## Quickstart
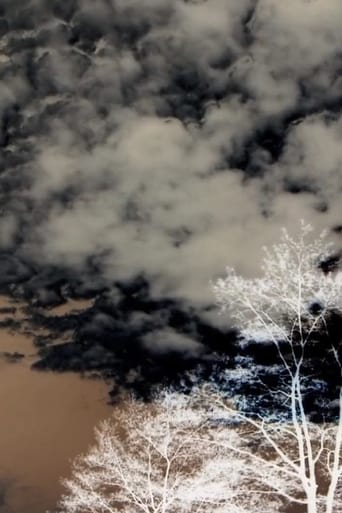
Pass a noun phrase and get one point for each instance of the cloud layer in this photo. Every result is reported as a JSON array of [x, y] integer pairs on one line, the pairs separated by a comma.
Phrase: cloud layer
[[166, 138]]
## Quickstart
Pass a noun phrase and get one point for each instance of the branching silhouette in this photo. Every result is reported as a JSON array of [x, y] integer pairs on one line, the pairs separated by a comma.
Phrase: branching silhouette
[[290, 305]]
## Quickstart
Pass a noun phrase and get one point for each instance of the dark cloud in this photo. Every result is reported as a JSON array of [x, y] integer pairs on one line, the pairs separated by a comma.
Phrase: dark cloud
[[162, 139]]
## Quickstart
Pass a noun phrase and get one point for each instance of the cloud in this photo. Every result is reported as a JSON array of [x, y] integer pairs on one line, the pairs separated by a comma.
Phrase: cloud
[[312, 156], [166, 340], [166, 139], [295, 51]]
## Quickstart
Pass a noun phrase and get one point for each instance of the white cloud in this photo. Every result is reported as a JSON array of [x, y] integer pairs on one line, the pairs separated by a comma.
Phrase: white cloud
[[313, 156], [118, 176]]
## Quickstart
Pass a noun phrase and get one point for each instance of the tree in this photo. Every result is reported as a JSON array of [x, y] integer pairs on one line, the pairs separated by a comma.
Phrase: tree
[[147, 460], [202, 453], [297, 461], [175, 455], [292, 299], [265, 466]]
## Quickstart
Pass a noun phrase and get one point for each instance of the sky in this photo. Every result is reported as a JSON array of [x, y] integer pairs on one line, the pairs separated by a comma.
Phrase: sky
[[166, 139]]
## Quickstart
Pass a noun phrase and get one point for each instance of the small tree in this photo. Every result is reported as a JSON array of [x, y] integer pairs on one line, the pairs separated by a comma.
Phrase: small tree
[[146, 459], [298, 461]]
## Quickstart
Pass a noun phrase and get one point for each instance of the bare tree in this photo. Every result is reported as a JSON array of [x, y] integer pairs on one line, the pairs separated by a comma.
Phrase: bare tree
[[147, 459], [293, 460], [201, 453]]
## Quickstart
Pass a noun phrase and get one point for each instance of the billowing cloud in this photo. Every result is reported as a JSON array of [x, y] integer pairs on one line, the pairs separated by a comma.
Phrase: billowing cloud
[[166, 139], [312, 156]]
